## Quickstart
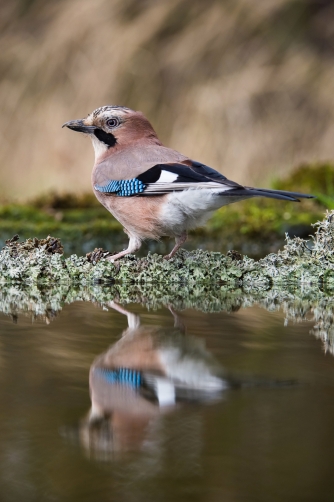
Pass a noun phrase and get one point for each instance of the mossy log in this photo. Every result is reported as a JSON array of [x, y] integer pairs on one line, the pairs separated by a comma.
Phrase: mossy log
[[42, 261]]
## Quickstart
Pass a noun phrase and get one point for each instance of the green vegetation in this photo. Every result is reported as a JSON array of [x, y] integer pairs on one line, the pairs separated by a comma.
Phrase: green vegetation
[[76, 220], [41, 261], [266, 218], [82, 223], [317, 179]]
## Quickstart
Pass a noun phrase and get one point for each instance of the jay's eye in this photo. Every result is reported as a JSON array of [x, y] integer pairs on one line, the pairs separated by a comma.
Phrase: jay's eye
[[112, 123]]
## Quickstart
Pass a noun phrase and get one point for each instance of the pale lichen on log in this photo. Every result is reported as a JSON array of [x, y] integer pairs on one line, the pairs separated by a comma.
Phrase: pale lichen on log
[[300, 262]]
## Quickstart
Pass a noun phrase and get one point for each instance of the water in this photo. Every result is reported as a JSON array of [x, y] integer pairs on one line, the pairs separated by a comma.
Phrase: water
[[110, 402]]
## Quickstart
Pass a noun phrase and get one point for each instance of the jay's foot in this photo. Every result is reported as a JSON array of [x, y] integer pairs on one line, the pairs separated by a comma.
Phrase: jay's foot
[[115, 257], [134, 245], [181, 239]]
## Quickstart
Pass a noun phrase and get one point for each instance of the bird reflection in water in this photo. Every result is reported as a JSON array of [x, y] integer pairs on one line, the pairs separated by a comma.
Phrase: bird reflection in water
[[146, 374]]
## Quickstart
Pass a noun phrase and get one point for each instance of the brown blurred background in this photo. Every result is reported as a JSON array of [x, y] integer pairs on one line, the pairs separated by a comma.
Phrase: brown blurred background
[[245, 86]]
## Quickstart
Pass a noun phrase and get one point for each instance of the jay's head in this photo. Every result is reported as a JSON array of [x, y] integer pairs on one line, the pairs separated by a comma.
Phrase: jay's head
[[112, 127]]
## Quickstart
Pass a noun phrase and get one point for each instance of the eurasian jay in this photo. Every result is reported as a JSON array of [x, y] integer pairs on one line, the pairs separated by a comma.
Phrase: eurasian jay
[[154, 191]]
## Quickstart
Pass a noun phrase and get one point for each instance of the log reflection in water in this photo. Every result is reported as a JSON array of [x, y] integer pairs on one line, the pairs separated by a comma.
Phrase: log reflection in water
[[298, 305]]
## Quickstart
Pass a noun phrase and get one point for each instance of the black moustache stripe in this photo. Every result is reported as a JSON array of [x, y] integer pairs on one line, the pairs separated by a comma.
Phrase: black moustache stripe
[[106, 138]]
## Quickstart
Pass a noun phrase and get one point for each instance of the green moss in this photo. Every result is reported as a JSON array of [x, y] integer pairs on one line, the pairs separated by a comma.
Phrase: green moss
[[34, 261], [67, 200], [267, 218], [317, 179], [14, 212], [75, 227], [81, 219]]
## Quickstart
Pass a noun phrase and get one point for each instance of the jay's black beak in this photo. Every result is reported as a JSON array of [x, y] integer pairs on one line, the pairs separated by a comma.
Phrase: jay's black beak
[[79, 126]]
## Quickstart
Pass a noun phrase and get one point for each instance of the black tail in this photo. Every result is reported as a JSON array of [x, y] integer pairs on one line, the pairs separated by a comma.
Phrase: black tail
[[271, 194]]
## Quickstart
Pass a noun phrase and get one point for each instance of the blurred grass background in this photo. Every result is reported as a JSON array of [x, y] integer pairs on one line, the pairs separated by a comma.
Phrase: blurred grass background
[[241, 85]]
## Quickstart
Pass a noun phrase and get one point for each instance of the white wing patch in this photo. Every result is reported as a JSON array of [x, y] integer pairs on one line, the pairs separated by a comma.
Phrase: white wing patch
[[167, 177]]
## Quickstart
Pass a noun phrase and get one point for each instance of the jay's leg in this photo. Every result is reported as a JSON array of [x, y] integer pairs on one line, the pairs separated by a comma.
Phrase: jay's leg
[[133, 319], [134, 245], [179, 240], [177, 320]]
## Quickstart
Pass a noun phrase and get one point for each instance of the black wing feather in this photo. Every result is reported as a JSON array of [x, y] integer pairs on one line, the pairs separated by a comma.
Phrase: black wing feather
[[188, 172], [211, 174], [267, 191]]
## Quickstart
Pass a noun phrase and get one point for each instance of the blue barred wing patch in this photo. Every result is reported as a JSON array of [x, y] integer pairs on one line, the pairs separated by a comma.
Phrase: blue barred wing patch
[[121, 376], [122, 188]]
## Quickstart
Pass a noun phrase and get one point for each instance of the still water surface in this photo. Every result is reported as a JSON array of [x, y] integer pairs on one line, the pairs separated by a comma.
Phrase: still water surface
[[129, 404]]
